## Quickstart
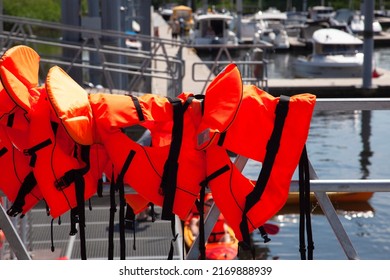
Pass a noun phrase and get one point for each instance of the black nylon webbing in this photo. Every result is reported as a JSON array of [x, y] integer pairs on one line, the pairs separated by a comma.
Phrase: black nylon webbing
[[200, 206], [26, 187], [10, 120], [112, 217], [138, 108], [32, 151], [272, 149], [80, 190], [122, 203], [304, 208], [171, 166], [3, 151]]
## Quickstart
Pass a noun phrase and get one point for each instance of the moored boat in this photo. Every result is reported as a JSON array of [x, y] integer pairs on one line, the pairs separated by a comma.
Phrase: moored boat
[[336, 54], [213, 29]]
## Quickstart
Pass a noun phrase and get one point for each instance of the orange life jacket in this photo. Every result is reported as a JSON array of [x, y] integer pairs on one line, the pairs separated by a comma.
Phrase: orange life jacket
[[111, 113], [54, 156], [21, 187], [17, 180], [147, 167], [253, 134]]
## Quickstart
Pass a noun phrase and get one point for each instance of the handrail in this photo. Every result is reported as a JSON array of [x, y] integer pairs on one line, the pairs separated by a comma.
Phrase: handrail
[[110, 56]]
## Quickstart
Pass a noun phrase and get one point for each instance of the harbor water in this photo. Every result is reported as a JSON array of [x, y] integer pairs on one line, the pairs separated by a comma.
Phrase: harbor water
[[341, 145]]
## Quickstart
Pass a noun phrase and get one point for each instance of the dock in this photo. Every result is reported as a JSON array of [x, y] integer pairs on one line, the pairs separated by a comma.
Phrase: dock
[[337, 87], [332, 88]]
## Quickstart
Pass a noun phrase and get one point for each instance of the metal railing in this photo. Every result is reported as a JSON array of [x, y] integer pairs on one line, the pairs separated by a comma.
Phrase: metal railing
[[97, 53], [321, 187]]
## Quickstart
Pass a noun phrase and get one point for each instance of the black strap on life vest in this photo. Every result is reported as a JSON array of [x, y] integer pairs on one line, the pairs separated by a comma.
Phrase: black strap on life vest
[[122, 203], [112, 218], [272, 149], [138, 108], [304, 208], [26, 187], [118, 185], [200, 206], [32, 151], [100, 187], [174, 237], [202, 239], [130, 221], [52, 233], [76, 176], [10, 120], [80, 197], [3, 151], [171, 166]]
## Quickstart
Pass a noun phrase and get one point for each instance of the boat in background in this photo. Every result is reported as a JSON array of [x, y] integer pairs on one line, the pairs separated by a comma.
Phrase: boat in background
[[335, 197], [356, 25], [213, 29], [273, 29], [319, 13], [335, 54]]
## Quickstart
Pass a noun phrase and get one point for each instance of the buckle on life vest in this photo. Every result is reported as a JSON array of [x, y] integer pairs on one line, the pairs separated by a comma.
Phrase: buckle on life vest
[[65, 180], [32, 151]]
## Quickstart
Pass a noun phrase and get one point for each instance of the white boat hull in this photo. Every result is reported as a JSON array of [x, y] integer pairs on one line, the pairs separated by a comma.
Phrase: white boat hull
[[336, 54], [328, 68], [312, 69]]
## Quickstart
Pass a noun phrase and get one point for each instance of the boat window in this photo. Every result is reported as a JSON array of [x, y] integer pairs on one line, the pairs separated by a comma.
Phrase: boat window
[[339, 49], [218, 27]]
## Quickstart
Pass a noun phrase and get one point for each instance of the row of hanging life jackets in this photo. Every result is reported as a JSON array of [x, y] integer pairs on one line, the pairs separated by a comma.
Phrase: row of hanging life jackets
[[56, 141]]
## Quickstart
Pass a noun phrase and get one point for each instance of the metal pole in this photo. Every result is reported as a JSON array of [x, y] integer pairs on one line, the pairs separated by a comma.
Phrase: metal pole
[[111, 20], [239, 17], [368, 46], [70, 15], [145, 13], [94, 75], [12, 236]]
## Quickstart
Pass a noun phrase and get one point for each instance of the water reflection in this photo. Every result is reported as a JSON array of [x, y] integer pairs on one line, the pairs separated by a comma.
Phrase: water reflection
[[366, 152]]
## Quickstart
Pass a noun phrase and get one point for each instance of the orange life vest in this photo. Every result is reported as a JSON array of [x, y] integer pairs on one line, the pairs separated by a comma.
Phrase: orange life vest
[[21, 186], [111, 113], [147, 167], [54, 156], [252, 135], [16, 181]]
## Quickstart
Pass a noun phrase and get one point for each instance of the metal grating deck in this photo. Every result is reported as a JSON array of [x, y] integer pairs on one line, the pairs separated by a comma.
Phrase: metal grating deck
[[152, 239]]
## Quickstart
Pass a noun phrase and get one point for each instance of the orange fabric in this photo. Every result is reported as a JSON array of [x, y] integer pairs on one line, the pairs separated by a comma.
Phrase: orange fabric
[[15, 167], [222, 100], [113, 111], [137, 202], [54, 160], [14, 137], [71, 105], [248, 136], [146, 169], [19, 71]]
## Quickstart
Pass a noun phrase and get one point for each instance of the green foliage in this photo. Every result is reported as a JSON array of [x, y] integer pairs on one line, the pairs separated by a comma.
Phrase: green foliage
[[48, 10]]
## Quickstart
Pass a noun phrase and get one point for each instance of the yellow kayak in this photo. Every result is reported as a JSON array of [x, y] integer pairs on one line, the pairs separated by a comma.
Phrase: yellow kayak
[[339, 197]]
